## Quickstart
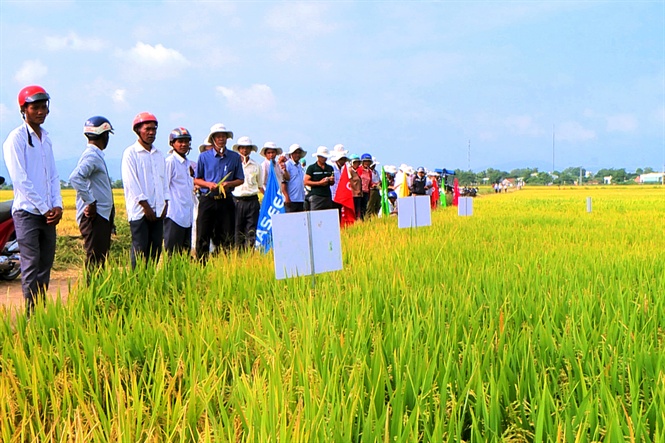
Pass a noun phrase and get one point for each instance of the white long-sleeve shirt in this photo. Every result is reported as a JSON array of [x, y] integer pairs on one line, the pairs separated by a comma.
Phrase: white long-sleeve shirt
[[32, 170], [144, 178], [181, 188], [91, 181]]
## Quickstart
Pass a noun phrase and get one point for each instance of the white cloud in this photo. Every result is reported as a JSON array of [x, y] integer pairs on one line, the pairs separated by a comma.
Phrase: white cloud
[[522, 125], [31, 72], [73, 41], [573, 132], [256, 98], [300, 18], [152, 62], [119, 96], [4, 113], [621, 123]]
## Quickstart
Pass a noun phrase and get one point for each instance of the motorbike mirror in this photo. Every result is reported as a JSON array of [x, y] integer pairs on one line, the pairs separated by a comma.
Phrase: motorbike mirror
[[2, 180]]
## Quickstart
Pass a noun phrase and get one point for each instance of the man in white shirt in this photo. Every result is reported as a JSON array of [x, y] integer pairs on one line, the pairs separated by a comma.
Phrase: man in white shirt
[[179, 176], [246, 196], [94, 199], [37, 206], [146, 192]]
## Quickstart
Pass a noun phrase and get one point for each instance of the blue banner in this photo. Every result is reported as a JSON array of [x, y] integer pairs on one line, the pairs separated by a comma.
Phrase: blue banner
[[273, 203]]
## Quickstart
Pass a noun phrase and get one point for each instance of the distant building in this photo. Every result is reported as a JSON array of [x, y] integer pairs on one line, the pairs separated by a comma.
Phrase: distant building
[[650, 178], [607, 180]]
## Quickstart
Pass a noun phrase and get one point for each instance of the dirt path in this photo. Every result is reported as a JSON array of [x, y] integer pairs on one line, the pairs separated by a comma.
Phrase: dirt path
[[11, 296]]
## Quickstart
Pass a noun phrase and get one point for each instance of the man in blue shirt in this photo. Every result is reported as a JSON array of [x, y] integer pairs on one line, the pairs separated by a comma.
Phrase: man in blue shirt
[[218, 172], [94, 198], [293, 188]]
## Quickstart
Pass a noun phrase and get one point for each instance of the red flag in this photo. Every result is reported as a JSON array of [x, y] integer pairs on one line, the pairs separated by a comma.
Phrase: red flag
[[434, 198], [344, 196], [455, 192]]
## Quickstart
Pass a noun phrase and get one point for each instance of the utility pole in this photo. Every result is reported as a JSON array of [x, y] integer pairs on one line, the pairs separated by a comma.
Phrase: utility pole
[[469, 156]]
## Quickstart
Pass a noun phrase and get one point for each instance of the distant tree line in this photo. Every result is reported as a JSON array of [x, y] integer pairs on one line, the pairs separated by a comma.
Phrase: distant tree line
[[532, 176]]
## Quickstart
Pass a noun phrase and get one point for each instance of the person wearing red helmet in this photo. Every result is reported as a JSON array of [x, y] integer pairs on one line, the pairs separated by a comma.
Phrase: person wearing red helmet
[[95, 211], [146, 191], [37, 206]]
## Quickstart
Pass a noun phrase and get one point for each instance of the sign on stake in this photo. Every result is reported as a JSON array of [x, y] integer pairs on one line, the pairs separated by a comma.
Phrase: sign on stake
[[465, 206], [414, 212], [306, 243]]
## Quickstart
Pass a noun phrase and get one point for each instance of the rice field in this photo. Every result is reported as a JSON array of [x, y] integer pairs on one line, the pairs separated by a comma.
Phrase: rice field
[[530, 321]]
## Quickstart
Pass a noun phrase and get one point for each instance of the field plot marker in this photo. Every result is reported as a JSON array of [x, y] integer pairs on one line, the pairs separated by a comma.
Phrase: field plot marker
[[465, 207], [414, 212], [297, 254]]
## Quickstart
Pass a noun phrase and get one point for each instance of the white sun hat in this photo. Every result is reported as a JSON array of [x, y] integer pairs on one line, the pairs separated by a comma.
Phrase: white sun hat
[[338, 152], [390, 169], [321, 151], [218, 128], [294, 147], [244, 141], [270, 145]]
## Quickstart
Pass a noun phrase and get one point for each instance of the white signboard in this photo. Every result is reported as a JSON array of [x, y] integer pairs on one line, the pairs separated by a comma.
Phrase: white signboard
[[414, 212], [306, 243], [465, 206]]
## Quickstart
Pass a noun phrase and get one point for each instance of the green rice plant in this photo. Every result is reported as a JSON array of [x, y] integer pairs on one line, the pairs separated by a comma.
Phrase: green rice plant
[[530, 321]]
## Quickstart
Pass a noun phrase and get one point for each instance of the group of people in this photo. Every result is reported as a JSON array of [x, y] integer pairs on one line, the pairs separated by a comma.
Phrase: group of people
[[170, 199]]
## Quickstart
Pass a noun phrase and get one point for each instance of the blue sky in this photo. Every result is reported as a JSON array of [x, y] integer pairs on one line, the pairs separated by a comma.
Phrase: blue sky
[[409, 82]]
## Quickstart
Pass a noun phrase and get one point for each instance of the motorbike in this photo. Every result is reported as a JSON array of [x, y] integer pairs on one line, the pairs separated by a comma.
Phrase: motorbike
[[10, 257]]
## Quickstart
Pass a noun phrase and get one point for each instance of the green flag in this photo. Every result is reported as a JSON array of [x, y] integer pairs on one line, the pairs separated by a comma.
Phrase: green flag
[[385, 204], [442, 195]]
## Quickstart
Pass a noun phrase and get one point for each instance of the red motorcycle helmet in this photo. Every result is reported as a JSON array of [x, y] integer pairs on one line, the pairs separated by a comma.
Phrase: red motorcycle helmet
[[143, 117], [31, 94]]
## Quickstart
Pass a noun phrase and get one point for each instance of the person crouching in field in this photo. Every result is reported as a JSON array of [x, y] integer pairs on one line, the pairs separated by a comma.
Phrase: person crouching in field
[[37, 206], [95, 211], [179, 176], [246, 196], [146, 191]]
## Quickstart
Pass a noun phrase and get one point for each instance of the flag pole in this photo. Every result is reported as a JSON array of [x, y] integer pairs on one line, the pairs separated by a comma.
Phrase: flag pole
[[311, 247]]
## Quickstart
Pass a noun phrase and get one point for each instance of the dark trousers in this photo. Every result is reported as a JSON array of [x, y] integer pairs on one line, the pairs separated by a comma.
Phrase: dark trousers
[[318, 202], [96, 233], [363, 207], [358, 207], [216, 222], [374, 202], [176, 238], [294, 207], [147, 239], [36, 241], [247, 217]]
